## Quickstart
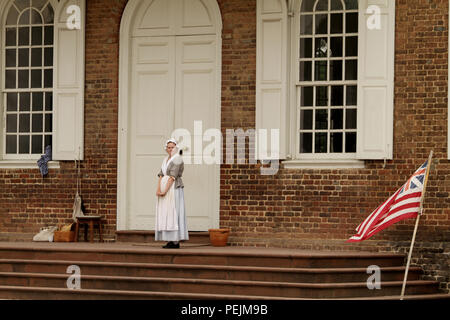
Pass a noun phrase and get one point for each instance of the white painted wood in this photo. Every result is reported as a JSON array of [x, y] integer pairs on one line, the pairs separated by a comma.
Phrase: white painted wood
[[376, 83], [271, 76], [68, 117], [166, 81]]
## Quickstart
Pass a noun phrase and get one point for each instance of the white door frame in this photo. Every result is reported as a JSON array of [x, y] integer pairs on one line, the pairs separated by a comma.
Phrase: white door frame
[[129, 19]]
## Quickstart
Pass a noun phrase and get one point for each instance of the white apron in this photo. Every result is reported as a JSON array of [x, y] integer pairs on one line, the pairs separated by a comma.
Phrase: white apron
[[166, 213]]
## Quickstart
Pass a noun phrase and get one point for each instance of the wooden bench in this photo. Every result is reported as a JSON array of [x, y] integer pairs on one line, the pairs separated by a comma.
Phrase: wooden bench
[[89, 222]]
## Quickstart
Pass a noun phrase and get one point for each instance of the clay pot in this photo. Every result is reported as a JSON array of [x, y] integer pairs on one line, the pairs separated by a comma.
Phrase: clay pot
[[219, 237]]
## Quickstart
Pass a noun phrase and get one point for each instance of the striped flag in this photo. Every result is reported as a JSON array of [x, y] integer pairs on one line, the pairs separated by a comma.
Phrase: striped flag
[[403, 204]]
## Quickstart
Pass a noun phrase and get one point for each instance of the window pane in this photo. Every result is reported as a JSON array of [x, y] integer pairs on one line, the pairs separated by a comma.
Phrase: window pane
[[351, 46], [38, 101], [11, 38], [321, 24], [335, 70], [351, 4], [352, 95], [351, 23], [36, 145], [25, 18], [36, 57], [24, 123], [35, 17], [48, 57], [48, 123], [336, 23], [11, 144], [22, 4], [307, 97], [39, 4], [305, 71], [24, 57], [336, 5], [322, 96], [337, 96], [321, 119], [306, 48], [336, 142], [336, 47], [10, 82], [10, 58], [321, 47], [11, 102], [48, 101], [308, 5], [350, 119], [351, 70], [321, 144], [36, 36], [306, 120], [48, 35], [25, 101], [306, 143], [322, 5], [350, 142], [48, 14], [48, 78], [337, 119], [306, 25], [13, 15], [11, 123], [36, 78], [24, 144], [48, 141], [321, 72], [24, 36], [24, 79], [37, 123]]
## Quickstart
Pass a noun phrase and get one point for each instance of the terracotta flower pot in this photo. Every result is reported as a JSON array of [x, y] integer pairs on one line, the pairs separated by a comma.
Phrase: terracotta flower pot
[[219, 237]]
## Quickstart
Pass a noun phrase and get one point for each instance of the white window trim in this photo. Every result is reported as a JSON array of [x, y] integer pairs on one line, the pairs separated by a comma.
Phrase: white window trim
[[301, 161], [26, 164]]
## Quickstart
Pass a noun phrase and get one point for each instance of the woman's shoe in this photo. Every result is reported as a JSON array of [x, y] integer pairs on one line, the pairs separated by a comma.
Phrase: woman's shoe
[[171, 245]]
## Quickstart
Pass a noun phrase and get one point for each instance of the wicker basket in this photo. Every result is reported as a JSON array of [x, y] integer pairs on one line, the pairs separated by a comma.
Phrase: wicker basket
[[64, 236], [68, 235]]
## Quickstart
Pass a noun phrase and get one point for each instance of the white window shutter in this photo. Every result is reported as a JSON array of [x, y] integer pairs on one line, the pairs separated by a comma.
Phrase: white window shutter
[[376, 79], [271, 80], [68, 119]]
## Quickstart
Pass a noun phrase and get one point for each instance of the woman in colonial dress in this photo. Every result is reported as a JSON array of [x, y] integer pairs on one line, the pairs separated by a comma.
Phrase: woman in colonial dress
[[170, 210]]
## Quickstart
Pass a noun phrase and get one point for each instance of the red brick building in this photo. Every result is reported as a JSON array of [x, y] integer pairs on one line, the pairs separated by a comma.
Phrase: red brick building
[[357, 89]]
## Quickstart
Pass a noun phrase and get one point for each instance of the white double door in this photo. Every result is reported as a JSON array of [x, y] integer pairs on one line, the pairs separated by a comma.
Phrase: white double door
[[173, 83]]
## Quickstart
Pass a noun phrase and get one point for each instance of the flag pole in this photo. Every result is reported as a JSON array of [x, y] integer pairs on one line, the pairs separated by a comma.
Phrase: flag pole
[[417, 224]]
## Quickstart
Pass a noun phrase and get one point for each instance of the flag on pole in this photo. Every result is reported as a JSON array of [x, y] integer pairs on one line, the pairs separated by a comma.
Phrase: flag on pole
[[403, 204]]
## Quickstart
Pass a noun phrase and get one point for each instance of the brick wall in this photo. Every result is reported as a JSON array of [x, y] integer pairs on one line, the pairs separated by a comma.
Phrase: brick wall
[[28, 202], [293, 208], [302, 205]]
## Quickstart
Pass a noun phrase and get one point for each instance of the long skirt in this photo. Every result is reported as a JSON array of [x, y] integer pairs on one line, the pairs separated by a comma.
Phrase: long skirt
[[182, 233]]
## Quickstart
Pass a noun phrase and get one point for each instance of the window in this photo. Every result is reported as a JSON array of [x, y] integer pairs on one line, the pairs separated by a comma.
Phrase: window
[[327, 85], [28, 79]]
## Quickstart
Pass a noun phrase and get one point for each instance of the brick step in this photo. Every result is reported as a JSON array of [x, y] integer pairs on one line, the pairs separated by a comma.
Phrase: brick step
[[305, 275], [203, 256], [149, 237], [223, 287]]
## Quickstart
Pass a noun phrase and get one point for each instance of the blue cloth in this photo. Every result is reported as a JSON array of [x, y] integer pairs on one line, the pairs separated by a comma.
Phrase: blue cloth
[[43, 162]]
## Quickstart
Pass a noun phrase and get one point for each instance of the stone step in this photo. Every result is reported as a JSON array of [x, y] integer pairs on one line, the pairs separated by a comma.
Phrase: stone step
[[136, 236], [202, 256], [305, 275], [222, 287]]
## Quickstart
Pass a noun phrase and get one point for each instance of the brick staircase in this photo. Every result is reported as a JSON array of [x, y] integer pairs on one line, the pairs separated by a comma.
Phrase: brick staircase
[[126, 271]]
